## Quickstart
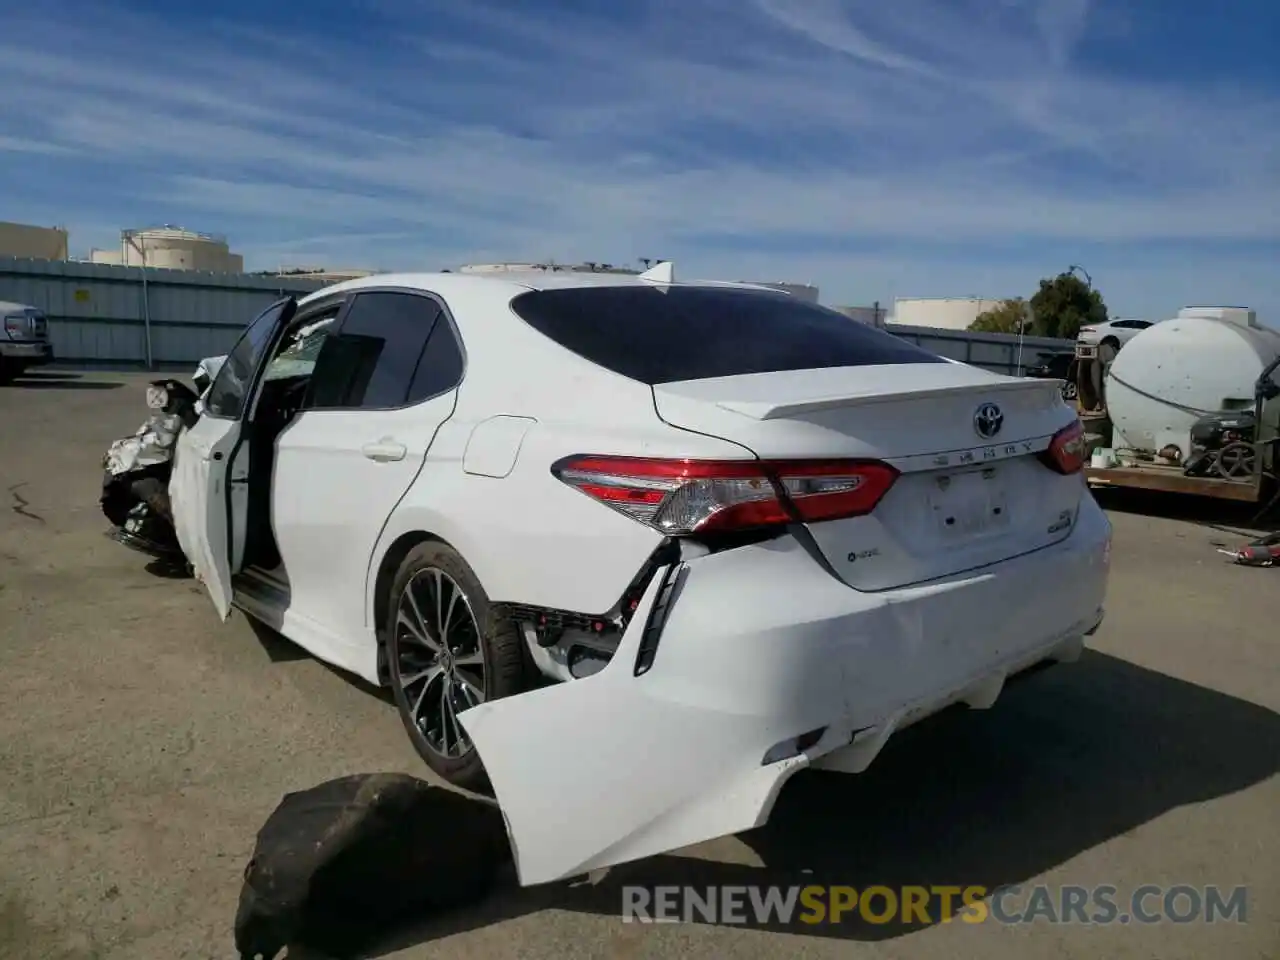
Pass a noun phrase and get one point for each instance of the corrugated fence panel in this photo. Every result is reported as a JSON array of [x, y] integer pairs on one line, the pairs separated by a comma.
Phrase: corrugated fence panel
[[997, 352], [98, 312]]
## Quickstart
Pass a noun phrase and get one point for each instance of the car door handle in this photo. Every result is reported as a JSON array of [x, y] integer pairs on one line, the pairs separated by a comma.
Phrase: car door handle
[[385, 450]]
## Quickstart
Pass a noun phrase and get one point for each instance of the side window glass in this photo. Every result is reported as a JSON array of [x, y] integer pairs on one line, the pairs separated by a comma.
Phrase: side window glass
[[298, 355], [370, 362], [440, 368], [226, 397]]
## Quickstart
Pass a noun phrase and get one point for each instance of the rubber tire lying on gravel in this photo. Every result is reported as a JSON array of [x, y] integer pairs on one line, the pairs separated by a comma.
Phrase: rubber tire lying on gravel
[[338, 866]]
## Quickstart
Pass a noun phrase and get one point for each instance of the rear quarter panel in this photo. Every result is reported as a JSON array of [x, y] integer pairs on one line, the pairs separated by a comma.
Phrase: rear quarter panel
[[530, 538]]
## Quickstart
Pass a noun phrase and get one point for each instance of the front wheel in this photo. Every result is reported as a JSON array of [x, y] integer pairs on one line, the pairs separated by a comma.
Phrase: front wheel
[[447, 652]]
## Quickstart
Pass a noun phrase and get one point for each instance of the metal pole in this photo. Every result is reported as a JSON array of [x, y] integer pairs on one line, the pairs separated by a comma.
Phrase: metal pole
[[146, 298], [146, 316]]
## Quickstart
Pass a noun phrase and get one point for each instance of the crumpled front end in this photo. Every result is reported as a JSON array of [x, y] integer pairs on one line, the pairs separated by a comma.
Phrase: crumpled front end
[[151, 445]]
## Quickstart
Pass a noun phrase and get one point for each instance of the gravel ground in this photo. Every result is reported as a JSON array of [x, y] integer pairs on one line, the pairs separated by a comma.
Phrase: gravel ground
[[142, 743]]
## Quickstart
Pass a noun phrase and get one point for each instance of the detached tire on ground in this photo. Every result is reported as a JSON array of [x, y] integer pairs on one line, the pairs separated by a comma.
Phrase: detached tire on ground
[[338, 866], [447, 650]]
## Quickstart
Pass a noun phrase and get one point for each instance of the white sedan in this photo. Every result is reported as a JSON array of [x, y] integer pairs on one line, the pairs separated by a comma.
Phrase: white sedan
[[1111, 335], [637, 550]]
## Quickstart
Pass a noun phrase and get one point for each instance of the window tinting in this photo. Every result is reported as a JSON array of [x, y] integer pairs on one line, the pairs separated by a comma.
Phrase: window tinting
[[664, 334], [370, 361], [440, 368], [230, 387], [297, 356]]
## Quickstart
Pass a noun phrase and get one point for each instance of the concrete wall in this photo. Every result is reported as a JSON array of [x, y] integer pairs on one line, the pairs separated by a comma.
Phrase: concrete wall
[[24, 240], [99, 313]]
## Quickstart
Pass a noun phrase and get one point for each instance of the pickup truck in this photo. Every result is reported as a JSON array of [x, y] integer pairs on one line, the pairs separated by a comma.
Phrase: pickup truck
[[24, 341]]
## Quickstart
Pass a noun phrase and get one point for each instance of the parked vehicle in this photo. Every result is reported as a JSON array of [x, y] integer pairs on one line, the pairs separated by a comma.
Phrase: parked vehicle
[[637, 550], [1110, 336], [24, 342], [1058, 366]]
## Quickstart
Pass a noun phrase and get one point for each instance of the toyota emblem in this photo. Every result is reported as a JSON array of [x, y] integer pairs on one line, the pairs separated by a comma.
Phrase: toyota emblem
[[987, 421]]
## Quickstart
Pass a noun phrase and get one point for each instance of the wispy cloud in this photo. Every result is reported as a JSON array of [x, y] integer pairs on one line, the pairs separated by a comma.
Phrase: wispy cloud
[[927, 141]]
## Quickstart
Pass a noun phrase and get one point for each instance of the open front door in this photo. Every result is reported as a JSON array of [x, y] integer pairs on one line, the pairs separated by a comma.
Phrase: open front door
[[209, 489]]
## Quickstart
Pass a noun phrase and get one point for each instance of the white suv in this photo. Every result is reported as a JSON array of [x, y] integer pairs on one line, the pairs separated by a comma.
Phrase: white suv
[[637, 550]]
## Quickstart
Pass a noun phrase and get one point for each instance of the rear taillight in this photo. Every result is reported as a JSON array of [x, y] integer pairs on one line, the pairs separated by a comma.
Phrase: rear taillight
[[679, 497], [1066, 451], [15, 327]]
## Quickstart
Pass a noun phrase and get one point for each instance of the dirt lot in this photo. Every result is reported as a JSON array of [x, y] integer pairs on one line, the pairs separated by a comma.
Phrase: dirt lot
[[142, 744]]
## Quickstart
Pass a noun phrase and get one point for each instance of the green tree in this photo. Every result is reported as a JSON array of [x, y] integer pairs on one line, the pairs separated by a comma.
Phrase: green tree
[[1063, 305], [1010, 317]]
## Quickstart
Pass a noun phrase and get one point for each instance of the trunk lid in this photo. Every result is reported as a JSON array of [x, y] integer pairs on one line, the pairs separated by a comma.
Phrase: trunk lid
[[972, 490]]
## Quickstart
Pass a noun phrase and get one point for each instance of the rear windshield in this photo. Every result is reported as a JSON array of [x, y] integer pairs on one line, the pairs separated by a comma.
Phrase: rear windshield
[[665, 334]]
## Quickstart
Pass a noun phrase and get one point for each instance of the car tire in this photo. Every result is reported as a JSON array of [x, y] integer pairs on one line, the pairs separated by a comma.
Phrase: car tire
[[485, 658], [9, 372]]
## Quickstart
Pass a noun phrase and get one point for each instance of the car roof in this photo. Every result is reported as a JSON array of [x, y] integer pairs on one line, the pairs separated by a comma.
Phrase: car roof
[[448, 284]]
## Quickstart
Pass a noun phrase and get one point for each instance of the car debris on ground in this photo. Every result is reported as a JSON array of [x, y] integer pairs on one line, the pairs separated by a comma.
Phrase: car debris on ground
[[338, 865]]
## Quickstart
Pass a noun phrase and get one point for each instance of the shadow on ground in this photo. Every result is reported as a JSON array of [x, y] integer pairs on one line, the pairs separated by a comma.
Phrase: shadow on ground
[[1069, 759], [280, 649], [1232, 518], [60, 381]]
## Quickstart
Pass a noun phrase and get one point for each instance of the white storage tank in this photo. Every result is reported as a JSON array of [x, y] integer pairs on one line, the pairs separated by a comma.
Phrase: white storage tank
[[1205, 360], [172, 248]]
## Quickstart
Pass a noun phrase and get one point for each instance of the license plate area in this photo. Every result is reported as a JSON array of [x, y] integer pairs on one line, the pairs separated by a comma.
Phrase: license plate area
[[969, 503]]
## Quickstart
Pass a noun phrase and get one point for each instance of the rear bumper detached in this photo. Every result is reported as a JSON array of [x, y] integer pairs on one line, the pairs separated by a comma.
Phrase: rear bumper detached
[[764, 665]]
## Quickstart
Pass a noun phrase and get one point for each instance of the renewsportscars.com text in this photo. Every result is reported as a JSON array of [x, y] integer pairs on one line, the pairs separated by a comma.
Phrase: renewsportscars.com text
[[923, 905]]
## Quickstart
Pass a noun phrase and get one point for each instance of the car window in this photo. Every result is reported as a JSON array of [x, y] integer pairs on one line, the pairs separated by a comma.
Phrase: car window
[[1141, 324], [440, 366], [298, 358], [226, 396], [664, 334], [371, 360]]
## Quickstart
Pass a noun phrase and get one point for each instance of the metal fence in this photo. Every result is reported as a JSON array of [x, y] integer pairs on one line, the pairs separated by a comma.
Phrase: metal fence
[[128, 316], [998, 352]]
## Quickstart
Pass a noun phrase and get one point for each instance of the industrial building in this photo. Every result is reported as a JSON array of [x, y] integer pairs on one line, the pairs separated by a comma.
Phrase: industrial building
[[944, 313], [801, 291], [872, 316], [324, 274], [171, 248], [32, 242], [521, 267], [804, 291]]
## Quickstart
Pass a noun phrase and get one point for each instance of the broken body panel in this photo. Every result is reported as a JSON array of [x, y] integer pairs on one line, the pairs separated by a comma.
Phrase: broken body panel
[[762, 653]]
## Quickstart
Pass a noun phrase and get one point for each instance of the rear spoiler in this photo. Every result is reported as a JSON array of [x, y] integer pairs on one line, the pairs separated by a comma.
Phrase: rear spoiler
[[781, 410]]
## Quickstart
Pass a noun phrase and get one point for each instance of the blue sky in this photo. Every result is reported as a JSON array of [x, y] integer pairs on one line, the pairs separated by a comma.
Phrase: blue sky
[[905, 148]]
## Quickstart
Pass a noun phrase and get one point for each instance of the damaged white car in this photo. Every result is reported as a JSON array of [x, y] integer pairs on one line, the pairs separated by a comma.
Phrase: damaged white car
[[637, 550]]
